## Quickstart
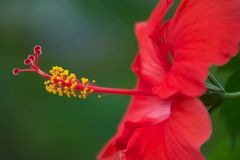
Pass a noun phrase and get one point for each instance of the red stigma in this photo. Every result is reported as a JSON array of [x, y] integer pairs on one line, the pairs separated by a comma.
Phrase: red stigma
[[37, 49], [27, 61], [38, 52], [16, 71], [32, 62], [31, 57]]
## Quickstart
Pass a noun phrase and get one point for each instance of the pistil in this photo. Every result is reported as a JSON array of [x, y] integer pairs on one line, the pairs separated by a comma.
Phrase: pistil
[[62, 82]]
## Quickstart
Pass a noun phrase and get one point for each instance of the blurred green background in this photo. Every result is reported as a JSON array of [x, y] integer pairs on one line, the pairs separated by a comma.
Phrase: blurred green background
[[91, 38]]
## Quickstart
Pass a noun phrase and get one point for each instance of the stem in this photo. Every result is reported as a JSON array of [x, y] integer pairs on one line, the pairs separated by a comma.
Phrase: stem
[[232, 95]]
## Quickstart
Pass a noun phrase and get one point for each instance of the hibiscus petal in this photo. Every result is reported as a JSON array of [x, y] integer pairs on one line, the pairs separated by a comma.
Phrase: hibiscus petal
[[202, 33], [143, 111], [150, 64], [185, 78], [177, 138]]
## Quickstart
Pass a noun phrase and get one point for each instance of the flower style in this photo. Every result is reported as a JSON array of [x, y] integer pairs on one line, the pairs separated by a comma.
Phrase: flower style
[[165, 120], [172, 63]]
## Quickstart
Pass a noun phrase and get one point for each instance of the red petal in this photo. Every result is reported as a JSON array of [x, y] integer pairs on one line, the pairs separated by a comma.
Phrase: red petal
[[185, 78], [150, 64], [201, 33], [177, 138], [158, 14], [143, 111]]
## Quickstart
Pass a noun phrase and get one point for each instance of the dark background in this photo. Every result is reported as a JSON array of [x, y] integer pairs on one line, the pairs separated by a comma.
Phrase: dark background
[[95, 39]]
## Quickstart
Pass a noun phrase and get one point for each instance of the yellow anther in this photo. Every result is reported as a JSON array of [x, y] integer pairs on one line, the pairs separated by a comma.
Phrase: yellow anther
[[72, 75], [47, 82], [73, 86], [63, 82], [59, 89], [66, 72], [84, 80], [58, 78], [68, 94], [66, 81], [60, 69]]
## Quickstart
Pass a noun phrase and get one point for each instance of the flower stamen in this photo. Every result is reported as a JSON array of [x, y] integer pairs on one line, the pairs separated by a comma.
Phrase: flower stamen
[[62, 82]]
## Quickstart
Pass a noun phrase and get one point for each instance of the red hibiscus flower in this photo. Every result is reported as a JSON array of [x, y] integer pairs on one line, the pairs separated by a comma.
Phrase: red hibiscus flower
[[165, 120], [172, 63], [155, 129]]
